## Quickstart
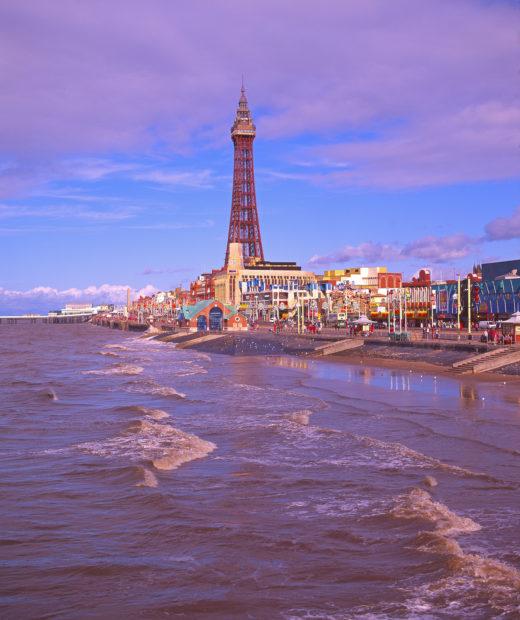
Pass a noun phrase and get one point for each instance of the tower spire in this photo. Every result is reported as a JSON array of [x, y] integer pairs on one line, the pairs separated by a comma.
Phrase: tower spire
[[244, 227]]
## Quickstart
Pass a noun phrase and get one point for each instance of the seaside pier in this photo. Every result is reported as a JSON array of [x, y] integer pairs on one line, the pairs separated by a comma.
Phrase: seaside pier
[[27, 319]]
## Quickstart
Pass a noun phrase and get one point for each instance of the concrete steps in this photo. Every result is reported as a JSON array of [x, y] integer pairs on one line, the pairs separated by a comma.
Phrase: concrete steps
[[485, 362], [339, 346]]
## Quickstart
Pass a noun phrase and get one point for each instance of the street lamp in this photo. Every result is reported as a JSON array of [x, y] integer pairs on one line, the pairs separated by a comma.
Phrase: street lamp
[[458, 302], [469, 305]]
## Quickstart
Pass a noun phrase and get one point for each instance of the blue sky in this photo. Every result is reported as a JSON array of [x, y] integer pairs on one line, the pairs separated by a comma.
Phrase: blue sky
[[383, 137]]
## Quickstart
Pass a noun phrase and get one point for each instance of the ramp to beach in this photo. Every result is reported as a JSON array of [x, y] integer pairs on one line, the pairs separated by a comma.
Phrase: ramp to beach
[[339, 346], [200, 340], [173, 337]]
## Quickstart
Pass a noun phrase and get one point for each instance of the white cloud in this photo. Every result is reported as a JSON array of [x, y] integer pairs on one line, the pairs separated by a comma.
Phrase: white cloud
[[49, 297], [151, 270], [178, 226], [199, 179], [65, 212]]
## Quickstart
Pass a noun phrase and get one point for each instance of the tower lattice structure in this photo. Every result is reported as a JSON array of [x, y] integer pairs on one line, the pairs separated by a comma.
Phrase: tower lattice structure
[[244, 227]]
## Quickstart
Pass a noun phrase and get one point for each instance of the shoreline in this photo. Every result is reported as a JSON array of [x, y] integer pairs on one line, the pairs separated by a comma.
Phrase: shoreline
[[416, 366], [388, 356]]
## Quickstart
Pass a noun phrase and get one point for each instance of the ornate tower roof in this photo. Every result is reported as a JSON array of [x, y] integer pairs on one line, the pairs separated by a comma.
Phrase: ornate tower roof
[[243, 124]]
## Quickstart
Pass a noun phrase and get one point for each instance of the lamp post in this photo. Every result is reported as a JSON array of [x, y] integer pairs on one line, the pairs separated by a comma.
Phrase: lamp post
[[405, 314], [469, 305], [458, 303], [388, 298], [400, 310]]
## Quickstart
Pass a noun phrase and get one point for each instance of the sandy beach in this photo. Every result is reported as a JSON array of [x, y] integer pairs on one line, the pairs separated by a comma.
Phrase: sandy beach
[[419, 357]]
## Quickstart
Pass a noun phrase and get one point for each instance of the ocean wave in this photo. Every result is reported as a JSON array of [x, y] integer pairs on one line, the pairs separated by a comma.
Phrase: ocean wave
[[108, 353], [275, 400], [151, 387], [337, 507], [474, 581], [418, 504], [48, 394], [22, 382], [165, 390], [119, 347], [165, 446], [148, 480], [191, 369], [118, 369], [419, 459], [156, 414], [301, 417]]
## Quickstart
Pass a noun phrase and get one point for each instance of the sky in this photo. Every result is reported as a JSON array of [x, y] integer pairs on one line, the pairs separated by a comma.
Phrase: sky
[[387, 134]]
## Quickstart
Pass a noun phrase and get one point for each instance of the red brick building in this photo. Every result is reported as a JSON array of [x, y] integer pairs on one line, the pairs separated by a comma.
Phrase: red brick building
[[389, 280]]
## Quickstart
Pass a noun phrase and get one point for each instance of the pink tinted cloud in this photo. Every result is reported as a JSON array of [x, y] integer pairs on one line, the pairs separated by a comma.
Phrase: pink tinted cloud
[[365, 252], [440, 249], [476, 143], [503, 228], [130, 76], [430, 249]]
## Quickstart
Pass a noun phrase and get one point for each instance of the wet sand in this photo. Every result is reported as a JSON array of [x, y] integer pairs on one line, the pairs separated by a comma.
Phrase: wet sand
[[432, 360], [421, 367]]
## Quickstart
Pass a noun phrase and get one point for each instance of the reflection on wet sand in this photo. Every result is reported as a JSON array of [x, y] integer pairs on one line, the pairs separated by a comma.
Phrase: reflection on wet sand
[[400, 383], [469, 394], [289, 362]]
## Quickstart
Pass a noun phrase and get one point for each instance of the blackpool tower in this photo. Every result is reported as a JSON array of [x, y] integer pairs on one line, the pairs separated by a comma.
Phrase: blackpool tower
[[243, 224]]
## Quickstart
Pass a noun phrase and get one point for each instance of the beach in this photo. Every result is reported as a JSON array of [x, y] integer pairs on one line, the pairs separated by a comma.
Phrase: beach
[[431, 357]]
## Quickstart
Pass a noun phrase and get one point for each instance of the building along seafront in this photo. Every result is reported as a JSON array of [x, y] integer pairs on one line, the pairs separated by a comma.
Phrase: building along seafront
[[260, 289]]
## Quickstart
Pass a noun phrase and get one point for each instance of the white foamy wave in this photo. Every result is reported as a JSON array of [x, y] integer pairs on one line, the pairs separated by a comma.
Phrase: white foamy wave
[[164, 390], [150, 387], [418, 504], [336, 507], [155, 414], [149, 479], [118, 369], [407, 456], [300, 417], [119, 347], [249, 388], [191, 369], [108, 354], [474, 579], [165, 446]]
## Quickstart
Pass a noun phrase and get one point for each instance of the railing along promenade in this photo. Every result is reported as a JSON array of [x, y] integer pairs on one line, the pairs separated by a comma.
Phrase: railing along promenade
[[443, 336]]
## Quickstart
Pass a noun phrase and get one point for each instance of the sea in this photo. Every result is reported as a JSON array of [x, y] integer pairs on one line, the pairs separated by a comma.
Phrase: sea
[[141, 481]]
